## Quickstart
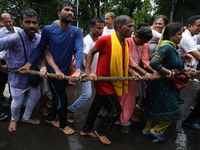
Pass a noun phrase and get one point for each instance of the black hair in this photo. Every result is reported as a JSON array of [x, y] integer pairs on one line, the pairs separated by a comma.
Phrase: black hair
[[94, 20], [28, 12], [171, 29], [165, 19], [192, 20], [63, 4], [142, 24], [120, 20], [144, 33], [41, 26]]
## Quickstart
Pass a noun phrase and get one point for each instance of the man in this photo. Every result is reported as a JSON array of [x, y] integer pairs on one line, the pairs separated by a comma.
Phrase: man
[[8, 29], [19, 83], [62, 40], [8, 25], [96, 29], [113, 52], [187, 44], [108, 30], [109, 21]]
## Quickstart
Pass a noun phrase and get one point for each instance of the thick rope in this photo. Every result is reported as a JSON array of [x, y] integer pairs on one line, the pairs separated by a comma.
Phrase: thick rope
[[52, 75]]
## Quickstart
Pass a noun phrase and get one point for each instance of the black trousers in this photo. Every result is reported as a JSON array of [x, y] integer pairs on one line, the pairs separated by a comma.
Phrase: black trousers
[[195, 114], [3, 80], [112, 106], [59, 101]]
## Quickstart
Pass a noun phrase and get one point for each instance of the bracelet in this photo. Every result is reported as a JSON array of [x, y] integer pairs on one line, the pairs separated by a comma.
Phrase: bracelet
[[43, 68], [183, 56], [169, 74]]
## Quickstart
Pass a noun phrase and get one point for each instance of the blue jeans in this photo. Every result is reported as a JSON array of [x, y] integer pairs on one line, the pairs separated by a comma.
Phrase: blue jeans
[[85, 96]]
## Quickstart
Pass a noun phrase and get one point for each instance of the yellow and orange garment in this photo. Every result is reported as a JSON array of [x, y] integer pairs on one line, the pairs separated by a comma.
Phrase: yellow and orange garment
[[118, 66]]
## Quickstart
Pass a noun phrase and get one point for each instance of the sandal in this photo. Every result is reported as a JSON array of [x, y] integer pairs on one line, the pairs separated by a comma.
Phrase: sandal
[[70, 115], [193, 125], [158, 136]]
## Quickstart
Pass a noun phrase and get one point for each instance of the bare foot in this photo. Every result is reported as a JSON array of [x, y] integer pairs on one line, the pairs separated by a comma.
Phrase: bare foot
[[136, 119], [31, 121], [103, 139], [92, 134], [67, 130], [12, 126], [154, 132], [54, 123]]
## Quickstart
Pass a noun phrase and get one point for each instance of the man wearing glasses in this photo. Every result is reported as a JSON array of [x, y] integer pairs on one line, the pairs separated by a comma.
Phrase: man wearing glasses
[[8, 28], [8, 25]]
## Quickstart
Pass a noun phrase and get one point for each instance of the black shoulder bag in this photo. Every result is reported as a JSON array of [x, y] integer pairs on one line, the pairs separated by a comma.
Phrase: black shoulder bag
[[34, 80]]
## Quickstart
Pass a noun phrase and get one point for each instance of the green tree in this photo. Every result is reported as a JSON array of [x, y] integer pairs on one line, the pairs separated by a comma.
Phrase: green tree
[[47, 11], [182, 9], [84, 14], [143, 13], [140, 10]]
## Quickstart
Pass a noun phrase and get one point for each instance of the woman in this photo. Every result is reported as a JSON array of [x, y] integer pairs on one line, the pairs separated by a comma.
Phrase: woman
[[138, 53], [158, 25], [162, 108]]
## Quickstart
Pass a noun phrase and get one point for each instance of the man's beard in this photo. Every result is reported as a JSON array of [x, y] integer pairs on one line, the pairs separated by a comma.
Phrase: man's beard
[[65, 20]]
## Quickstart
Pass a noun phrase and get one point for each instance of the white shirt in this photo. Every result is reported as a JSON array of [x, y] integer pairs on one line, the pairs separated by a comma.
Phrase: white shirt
[[153, 42], [188, 45], [196, 39], [88, 44], [107, 31]]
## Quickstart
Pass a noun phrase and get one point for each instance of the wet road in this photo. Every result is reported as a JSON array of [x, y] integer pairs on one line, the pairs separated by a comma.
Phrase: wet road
[[45, 136]]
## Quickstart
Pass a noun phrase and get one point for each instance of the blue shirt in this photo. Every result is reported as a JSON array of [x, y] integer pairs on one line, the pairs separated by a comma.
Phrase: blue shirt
[[62, 44], [16, 56]]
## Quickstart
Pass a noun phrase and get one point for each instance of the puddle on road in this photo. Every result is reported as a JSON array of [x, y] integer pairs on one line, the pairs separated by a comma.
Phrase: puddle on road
[[74, 144], [181, 139]]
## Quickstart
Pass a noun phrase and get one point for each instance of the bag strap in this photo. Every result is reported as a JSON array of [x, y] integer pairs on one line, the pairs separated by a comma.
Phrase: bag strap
[[23, 45]]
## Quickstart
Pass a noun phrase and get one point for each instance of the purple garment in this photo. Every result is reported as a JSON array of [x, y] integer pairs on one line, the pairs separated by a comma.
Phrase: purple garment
[[4, 31], [16, 57]]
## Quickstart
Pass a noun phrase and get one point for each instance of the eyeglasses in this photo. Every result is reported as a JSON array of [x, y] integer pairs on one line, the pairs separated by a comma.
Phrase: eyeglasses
[[198, 25], [7, 22]]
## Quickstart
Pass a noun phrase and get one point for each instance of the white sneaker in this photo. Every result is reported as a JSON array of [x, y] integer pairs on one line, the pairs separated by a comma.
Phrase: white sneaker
[[194, 80]]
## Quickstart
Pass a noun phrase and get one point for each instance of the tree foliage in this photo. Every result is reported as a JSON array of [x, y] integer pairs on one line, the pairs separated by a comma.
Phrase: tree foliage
[[47, 11], [182, 9], [139, 10]]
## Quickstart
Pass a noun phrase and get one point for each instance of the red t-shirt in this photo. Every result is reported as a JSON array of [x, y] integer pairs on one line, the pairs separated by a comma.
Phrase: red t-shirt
[[103, 45]]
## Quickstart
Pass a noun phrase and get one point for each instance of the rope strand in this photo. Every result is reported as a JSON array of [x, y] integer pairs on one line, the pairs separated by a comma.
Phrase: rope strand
[[52, 75]]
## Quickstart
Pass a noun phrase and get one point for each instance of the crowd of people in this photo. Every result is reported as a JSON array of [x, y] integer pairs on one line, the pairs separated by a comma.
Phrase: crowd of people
[[119, 49]]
